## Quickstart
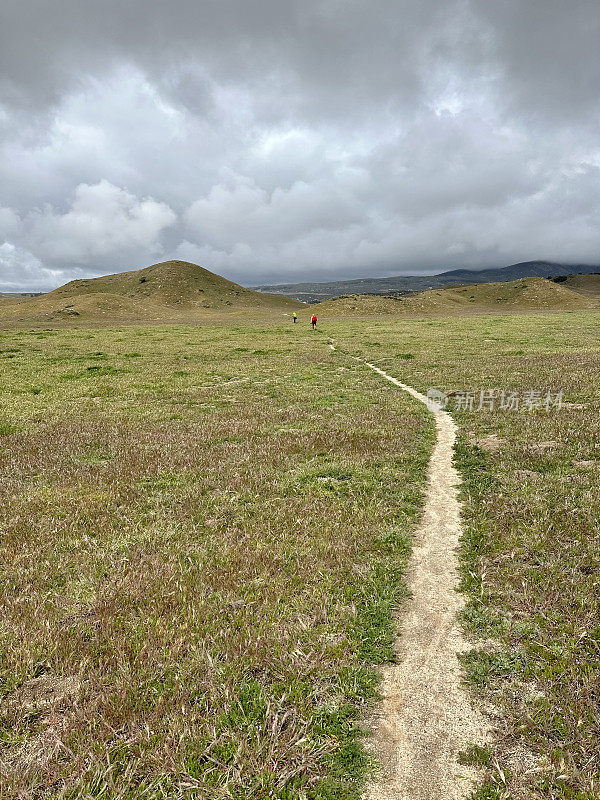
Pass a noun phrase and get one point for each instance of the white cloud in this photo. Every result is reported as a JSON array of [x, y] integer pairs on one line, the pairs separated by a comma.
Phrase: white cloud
[[9, 222], [247, 214], [286, 140], [103, 220], [20, 270], [558, 221]]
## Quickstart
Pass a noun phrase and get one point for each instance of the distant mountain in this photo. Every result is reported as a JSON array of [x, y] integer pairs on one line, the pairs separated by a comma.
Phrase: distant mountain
[[403, 284]]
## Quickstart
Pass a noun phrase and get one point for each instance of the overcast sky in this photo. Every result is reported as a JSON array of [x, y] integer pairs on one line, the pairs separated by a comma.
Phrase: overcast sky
[[282, 140]]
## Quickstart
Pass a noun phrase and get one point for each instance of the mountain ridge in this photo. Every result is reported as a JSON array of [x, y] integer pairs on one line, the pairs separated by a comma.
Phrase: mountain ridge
[[316, 291]]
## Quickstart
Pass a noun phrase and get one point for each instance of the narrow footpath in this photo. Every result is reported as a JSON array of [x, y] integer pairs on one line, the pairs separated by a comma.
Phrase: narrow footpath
[[426, 717]]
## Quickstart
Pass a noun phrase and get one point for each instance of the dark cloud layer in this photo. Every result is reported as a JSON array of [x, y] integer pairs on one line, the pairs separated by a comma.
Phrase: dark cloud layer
[[278, 140]]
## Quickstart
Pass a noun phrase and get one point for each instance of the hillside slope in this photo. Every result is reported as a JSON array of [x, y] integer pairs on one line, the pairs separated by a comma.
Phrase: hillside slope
[[587, 285], [531, 294], [171, 290]]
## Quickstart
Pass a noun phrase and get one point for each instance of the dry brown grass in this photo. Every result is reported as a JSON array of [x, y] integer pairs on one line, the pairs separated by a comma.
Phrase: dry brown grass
[[204, 535], [531, 552], [203, 538]]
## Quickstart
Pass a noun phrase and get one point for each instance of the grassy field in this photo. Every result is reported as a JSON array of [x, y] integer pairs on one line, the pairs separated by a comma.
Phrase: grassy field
[[204, 532], [531, 551]]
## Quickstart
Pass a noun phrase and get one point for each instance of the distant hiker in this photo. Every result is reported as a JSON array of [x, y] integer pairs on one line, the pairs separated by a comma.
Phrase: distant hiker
[[313, 321], [294, 316]]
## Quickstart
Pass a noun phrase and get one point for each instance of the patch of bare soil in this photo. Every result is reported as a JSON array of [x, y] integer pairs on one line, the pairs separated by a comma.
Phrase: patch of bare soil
[[49, 698], [426, 717], [528, 474], [490, 443], [541, 447]]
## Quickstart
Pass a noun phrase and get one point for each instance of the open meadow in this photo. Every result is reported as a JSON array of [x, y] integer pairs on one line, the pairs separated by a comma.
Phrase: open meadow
[[205, 532]]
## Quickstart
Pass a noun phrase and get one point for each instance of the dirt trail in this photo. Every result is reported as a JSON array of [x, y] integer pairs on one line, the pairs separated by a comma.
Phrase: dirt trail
[[426, 717]]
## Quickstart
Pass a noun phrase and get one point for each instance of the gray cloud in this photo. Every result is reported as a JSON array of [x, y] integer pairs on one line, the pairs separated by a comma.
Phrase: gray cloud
[[274, 141], [103, 220]]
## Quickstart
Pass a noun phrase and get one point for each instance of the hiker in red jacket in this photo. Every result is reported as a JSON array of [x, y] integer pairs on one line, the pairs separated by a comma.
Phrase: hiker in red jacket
[[313, 321]]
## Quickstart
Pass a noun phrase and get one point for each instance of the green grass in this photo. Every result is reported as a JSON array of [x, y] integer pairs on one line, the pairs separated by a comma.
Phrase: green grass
[[204, 537], [530, 555], [207, 537]]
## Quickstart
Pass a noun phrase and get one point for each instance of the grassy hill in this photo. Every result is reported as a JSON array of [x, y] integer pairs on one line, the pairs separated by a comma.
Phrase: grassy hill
[[528, 294], [169, 291], [587, 285]]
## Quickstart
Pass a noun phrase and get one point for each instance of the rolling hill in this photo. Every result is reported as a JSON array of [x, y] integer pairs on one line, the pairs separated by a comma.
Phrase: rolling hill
[[169, 291], [531, 294]]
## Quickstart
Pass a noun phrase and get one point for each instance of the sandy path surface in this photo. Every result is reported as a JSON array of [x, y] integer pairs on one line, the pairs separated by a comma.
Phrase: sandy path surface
[[426, 716]]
